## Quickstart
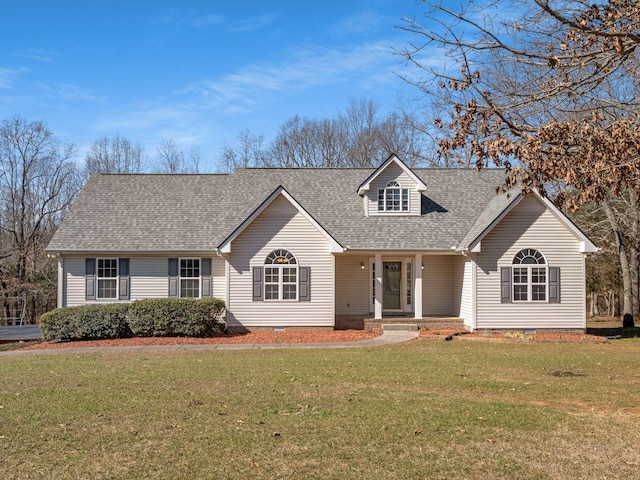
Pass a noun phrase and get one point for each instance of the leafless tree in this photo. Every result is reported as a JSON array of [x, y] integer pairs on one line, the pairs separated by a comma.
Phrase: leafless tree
[[171, 158], [38, 181], [358, 137], [115, 155]]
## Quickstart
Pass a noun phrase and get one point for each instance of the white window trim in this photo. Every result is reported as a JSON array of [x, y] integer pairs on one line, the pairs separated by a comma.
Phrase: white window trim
[[98, 278], [529, 267], [394, 185], [279, 267], [180, 277]]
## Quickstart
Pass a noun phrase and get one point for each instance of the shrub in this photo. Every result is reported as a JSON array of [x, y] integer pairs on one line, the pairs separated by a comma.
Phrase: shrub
[[167, 317], [87, 322], [161, 317]]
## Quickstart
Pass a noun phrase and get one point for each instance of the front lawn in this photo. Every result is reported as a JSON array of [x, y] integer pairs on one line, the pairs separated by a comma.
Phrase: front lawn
[[427, 409]]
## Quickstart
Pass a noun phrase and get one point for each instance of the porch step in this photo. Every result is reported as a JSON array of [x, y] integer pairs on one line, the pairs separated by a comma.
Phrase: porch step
[[412, 327]]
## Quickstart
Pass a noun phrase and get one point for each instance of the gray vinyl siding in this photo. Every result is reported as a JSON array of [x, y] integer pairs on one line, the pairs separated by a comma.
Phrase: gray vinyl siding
[[218, 267], [353, 285], [74, 286], [393, 172], [280, 226], [530, 225], [437, 285], [147, 277]]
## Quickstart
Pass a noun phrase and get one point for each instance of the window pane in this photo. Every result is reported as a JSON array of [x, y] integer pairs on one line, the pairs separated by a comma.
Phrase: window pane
[[405, 199], [107, 288], [289, 292], [289, 275], [520, 275], [538, 292], [270, 275], [189, 288], [520, 292], [271, 291], [393, 199], [538, 275]]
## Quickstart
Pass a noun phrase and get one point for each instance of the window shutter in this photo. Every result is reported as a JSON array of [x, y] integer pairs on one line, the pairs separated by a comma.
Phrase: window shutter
[[173, 277], [90, 278], [205, 271], [257, 284], [554, 284], [123, 279], [304, 295], [505, 285]]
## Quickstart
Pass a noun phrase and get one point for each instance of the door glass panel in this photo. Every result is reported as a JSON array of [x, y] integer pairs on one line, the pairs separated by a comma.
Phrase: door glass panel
[[391, 282]]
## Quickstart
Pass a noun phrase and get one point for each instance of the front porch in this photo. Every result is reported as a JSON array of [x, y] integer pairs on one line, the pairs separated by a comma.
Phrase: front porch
[[345, 322]]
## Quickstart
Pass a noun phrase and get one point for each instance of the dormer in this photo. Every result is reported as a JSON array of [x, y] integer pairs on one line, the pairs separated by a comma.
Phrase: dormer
[[393, 189]]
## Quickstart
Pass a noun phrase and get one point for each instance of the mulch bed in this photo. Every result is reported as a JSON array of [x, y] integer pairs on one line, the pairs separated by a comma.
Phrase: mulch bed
[[517, 337], [244, 338]]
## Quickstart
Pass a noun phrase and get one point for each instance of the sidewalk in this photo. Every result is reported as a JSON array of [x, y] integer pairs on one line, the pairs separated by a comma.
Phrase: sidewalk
[[388, 337]]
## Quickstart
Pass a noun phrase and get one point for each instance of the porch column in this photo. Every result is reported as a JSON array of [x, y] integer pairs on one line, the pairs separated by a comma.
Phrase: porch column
[[417, 289], [378, 287], [60, 291]]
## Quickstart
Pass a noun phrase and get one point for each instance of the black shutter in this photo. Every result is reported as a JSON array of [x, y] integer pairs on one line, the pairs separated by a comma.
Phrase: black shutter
[[257, 284], [305, 284], [90, 278], [505, 285], [173, 277], [205, 271], [554, 284], [123, 269]]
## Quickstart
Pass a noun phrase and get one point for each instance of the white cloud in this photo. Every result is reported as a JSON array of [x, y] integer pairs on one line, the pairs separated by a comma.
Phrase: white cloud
[[8, 77], [301, 69], [251, 23]]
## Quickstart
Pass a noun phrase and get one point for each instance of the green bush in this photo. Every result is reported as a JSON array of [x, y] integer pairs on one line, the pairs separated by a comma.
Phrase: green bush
[[168, 317], [88, 322], [162, 317]]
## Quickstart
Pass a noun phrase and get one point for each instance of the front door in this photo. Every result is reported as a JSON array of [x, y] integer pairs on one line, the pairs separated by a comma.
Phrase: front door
[[391, 286]]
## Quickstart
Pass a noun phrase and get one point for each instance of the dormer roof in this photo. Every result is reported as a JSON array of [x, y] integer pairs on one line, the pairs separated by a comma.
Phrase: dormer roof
[[366, 185]]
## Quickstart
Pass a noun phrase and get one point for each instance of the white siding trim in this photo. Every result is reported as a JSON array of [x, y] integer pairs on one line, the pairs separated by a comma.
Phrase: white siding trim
[[60, 283]]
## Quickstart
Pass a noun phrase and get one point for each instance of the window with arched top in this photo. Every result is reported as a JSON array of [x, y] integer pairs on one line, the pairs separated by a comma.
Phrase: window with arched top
[[529, 276], [281, 276], [393, 198]]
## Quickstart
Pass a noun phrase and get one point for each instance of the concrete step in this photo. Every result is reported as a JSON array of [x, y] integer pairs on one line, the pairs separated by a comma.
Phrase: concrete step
[[411, 327]]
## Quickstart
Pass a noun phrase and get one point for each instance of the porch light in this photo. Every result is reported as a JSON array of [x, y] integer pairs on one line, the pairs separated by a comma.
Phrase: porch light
[[422, 266], [361, 265]]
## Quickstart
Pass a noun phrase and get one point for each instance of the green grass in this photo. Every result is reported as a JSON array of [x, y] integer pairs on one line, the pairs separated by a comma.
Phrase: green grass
[[427, 409]]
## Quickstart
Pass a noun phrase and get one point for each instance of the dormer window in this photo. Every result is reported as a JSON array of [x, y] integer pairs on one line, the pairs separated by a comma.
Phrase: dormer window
[[393, 198]]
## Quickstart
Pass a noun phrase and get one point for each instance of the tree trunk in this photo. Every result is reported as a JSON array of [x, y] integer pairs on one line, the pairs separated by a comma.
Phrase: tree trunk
[[625, 267]]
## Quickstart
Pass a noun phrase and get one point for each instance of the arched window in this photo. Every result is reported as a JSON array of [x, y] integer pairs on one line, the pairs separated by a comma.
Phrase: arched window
[[393, 198], [280, 276], [529, 276]]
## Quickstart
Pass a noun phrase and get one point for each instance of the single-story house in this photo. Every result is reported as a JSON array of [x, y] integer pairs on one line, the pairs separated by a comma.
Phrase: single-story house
[[315, 247]]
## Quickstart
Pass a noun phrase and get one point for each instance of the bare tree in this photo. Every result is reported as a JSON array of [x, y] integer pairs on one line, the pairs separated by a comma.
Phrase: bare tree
[[548, 90], [357, 137], [38, 181], [172, 159], [115, 155], [246, 151]]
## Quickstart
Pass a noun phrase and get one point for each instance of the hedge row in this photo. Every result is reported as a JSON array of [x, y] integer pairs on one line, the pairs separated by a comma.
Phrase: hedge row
[[162, 317]]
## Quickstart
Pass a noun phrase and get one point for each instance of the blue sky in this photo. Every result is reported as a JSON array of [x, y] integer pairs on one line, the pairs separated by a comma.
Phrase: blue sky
[[196, 72]]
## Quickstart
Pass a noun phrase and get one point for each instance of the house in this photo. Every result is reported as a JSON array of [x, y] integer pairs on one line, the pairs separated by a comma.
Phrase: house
[[292, 248]]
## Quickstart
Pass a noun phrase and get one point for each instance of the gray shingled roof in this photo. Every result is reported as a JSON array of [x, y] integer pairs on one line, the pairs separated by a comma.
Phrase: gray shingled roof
[[196, 213]]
